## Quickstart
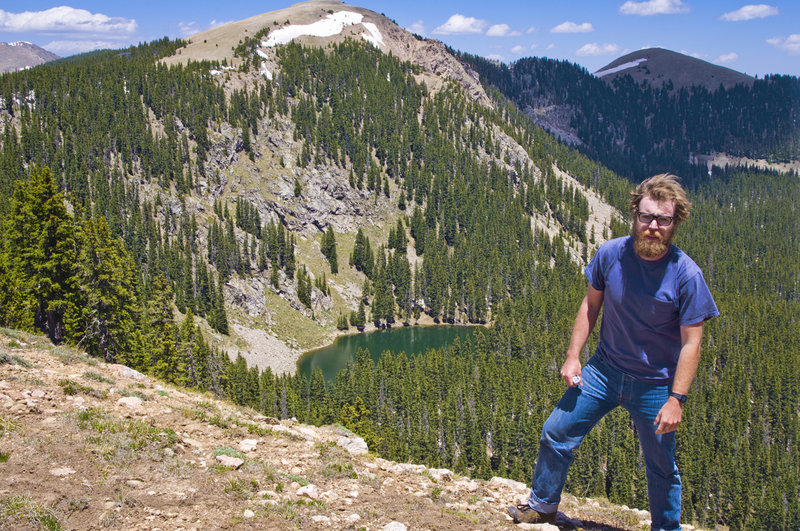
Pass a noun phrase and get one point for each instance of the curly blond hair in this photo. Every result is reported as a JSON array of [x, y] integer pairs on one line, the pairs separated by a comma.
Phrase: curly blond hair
[[663, 187]]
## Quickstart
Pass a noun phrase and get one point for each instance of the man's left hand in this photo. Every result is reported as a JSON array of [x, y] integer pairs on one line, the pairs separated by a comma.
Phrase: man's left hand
[[669, 417]]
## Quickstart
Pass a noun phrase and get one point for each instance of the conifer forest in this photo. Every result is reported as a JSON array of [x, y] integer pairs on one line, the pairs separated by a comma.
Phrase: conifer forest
[[100, 155]]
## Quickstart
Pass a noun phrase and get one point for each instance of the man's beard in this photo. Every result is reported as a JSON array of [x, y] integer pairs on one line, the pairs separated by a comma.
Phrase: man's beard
[[651, 248]]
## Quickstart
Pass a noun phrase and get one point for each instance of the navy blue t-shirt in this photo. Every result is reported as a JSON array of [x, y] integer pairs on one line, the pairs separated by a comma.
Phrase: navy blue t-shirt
[[644, 305]]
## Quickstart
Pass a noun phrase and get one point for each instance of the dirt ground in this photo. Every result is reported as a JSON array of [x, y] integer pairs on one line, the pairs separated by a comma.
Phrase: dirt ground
[[86, 445]]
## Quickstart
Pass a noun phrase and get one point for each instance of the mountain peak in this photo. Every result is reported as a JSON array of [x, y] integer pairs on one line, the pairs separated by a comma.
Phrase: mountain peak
[[659, 67], [20, 55], [323, 22]]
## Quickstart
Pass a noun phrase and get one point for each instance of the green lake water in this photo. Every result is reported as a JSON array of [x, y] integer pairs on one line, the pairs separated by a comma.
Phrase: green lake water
[[408, 339]]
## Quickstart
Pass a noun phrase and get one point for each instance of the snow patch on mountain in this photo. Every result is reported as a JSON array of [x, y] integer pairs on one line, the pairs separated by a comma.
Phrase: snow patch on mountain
[[331, 25], [620, 68]]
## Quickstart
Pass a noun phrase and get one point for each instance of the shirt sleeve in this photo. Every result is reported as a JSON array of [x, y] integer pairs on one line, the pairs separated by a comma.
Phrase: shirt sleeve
[[594, 271], [696, 302]]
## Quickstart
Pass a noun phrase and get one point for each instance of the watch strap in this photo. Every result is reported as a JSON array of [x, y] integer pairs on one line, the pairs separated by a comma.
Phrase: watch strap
[[681, 398]]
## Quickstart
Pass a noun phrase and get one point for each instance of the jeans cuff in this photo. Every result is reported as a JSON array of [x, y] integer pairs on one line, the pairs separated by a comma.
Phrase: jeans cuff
[[542, 507]]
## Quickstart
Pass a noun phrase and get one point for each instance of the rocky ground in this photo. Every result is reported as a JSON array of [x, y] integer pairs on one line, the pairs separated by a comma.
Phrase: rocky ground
[[86, 445]]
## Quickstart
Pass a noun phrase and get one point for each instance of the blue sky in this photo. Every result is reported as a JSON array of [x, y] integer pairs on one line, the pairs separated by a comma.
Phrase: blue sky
[[757, 39]]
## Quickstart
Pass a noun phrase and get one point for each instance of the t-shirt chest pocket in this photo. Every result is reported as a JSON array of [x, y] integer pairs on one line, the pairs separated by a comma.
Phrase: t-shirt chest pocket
[[660, 312]]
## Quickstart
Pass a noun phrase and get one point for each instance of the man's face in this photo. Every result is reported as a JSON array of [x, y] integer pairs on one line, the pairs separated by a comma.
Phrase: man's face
[[651, 240]]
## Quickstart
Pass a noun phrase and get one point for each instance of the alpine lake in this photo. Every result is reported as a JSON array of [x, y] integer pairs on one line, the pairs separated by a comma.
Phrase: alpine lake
[[408, 339]]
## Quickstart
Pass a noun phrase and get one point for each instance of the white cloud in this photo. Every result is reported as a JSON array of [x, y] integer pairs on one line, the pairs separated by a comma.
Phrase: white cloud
[[457, 24], [551, 46], [653, 7], [790, 44], [65, 48], [518, 49], [417, 27], [530, 30], [496, 57], [749, 12], [571, 27], [64, 19], [597, 49], [727, 58], [498, 30]]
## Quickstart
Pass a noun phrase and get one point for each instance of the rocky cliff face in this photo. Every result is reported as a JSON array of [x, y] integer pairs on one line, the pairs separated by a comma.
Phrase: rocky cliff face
[[84, 445]]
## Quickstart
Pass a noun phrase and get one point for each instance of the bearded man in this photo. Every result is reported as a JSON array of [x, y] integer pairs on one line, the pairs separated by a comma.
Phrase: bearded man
[[655, 301]]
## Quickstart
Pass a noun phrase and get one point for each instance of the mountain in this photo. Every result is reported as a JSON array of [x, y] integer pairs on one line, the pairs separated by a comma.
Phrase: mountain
[[20, 55], [662, 117], [659, 67]]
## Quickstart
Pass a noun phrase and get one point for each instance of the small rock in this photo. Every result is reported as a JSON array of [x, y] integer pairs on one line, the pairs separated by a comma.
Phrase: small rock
[[61, 472], [38, 393], [353, 445], [248, 514], [248, 445], [394, 526], [310, 491], [510, 483], [353, 518], [192, 442], [441, 474], [127, 372], [15, 395], [233, 462], [130, 401], [320, 519], [135, 483]]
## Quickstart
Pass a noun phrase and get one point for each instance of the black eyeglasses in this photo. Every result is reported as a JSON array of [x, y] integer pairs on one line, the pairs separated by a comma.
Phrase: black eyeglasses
[[647, 218]]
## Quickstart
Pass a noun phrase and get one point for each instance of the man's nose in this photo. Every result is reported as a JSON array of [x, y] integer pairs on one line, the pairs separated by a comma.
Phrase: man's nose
[[653, 223]]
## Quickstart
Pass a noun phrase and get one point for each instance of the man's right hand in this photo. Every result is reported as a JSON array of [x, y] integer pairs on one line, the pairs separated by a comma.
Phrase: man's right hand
[[570, 369]]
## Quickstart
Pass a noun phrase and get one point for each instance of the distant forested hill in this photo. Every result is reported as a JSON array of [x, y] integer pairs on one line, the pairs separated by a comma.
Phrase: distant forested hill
[[640, 130]]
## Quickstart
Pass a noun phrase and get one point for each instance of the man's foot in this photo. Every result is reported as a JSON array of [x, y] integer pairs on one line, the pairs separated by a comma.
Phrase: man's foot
[[524, 514]]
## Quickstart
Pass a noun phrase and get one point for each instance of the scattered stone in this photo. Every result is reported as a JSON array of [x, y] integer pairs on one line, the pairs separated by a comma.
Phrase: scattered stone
[[310, 491], [38, 393], [192, 442], [394, 526], [233, 462], [61, 472], [441, 474], [135, 483], [15, 395], [248, 514], [320, 519], [510, 483], [248, 445], [352, 518], [127, 372], [353, 445], [130, 401]]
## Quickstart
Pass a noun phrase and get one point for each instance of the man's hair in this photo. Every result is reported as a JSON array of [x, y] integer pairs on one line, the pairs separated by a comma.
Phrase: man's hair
[[663, 187]]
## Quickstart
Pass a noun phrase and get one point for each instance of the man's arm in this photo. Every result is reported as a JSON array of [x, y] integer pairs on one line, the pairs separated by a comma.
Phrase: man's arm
[[671, 413], [584, 324]]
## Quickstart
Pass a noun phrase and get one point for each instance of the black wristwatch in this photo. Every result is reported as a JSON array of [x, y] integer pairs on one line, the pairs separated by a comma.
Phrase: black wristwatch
[[681, 398]]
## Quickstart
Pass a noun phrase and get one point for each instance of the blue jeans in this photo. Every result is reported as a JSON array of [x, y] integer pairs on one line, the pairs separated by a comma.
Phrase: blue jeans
[[601, 390]]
